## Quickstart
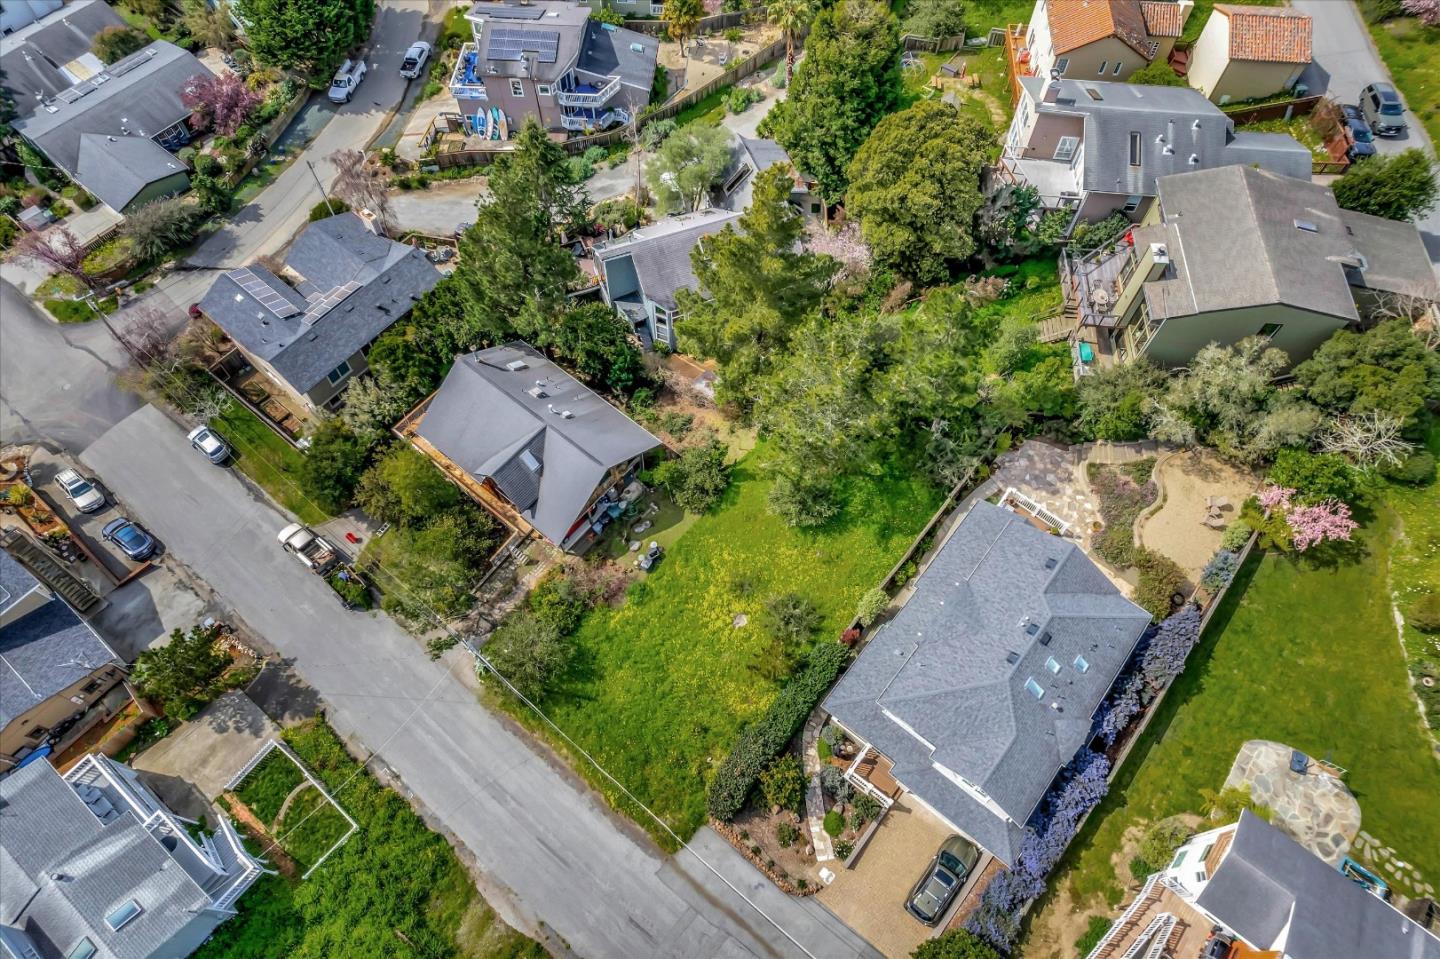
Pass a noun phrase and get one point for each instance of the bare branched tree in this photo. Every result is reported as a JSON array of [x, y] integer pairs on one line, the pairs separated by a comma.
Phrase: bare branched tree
[[145, 334], [362, 186], [57, 248], [1369, 438], [209, 402]]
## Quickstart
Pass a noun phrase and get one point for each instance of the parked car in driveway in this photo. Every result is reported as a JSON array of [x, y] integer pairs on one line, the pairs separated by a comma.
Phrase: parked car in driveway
[[415, 59], [207, 441], [80, 491], [1383, 109], [942, 879], [130, 538]]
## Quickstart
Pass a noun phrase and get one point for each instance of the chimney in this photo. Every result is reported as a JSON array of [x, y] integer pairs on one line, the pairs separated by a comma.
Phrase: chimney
[[1052, 89], [369, 219]]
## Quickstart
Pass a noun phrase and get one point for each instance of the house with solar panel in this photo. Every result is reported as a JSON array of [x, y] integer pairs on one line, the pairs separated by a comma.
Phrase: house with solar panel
[[549, 60], [309, 327]]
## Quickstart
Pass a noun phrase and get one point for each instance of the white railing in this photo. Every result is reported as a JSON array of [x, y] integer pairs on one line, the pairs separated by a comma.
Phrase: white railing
[[1012, 495], [1118, 927], [472, 88], [1162, 937], [863, 784], [249, 767], [1151, 930], [572, 98], [606, 119]]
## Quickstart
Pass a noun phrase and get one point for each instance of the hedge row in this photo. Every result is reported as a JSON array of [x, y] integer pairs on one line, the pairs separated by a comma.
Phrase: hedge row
[[762, 739]]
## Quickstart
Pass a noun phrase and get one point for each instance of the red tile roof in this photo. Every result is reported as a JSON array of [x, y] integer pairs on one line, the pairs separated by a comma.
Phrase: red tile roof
[[1267, 34], [1164, 18], [1078, 23]]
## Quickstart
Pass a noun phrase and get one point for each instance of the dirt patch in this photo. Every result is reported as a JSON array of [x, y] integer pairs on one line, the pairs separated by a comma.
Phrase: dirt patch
[[754, 833], [1178, 529], [257, 831]]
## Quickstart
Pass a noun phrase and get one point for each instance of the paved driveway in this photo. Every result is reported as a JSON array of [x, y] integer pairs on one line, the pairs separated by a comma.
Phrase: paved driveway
[[532, 827], [191, 766]]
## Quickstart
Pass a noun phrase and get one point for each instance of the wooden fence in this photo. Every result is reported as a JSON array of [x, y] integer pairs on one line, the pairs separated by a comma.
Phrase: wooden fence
[[719, 21], [1279, 110], [933, 44]]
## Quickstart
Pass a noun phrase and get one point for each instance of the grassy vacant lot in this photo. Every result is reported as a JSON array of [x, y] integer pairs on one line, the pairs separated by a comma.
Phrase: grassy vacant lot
[[393, 876], [1415, 570], [1303, 652], [312, 825], [1297, 127], [266, 459], [662, 685], [265, 789], [1409, 51]]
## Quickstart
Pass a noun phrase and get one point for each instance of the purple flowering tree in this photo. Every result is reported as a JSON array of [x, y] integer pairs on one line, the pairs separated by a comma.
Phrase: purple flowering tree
[[1165, 657]]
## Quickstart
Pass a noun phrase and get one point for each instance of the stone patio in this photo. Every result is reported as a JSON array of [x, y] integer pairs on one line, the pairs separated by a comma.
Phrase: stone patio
[[1053, 477], [1315, 808]]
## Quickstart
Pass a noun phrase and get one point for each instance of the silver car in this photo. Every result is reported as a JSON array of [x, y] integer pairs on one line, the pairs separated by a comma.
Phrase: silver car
[[207, 441], [942, 880], [80, 491]]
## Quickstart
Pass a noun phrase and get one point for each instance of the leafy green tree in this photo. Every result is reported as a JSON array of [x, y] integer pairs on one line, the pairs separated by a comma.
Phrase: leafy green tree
[[432, 569], [755, 286], [1158, 74], [179, 673], [529, 652], [689, 163], [404, 487], [1386, 369], [333, 465], [955, 944], [871, 605], [406, 358], [915, 186], [1115, 401], [371, 407], [934, 18], [791, 16], [783, 784], [514, 270], [1317, 477], [848, 80], [1400, 186], [160, 226], [681, 18], [309, 35], [597, 345], [697, 478], [556, 600], [117, 43], [210, 26]]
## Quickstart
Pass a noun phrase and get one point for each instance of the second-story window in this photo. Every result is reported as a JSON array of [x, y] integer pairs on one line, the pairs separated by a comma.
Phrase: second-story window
[[517, 88], [1065, 149], [1101, 71], [543, 89], [1061, 65], [1134, 149]]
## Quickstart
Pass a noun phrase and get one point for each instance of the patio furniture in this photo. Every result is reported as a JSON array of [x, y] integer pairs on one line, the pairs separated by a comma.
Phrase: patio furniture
[[1215, 522], [642, 526], [1217, 502]]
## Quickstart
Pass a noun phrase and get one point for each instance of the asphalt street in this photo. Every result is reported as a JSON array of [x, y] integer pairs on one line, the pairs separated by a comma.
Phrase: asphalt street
[[531, 825]]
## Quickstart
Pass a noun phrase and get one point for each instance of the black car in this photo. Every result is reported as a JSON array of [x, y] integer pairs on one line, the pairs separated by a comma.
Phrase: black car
[[1383, 109], [942, 879], [132, 540], [1356, 125]]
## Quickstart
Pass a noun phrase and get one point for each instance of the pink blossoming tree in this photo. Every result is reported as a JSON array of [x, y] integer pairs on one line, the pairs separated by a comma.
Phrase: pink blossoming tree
[[1313, 525], [1274, 498], [1427, 10], [225, 101]]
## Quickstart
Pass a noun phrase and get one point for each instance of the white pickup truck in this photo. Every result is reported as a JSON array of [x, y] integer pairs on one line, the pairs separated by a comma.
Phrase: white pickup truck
[[314, 551], [347, 81]]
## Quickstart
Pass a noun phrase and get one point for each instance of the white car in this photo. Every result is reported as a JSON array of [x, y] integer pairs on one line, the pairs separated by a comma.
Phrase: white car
[[207, 441], [82, 492], [415, 59]]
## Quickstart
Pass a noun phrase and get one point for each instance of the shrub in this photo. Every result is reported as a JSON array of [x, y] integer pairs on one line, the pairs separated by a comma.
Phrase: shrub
[[791, 618], [1168, 649], [1418, 468], [697, 478], [655, 134], [1160, 841], [739, 99], [324, 210], [618, 212], [59, 209], [834, 823], [786, 833], [805, 500], [1220, 570], [731, 784], [1160, 578], [871, 605], [1093, 236], [181, 672], [1316, 477], [1425, 614], [1237, 534], [529, 652], [955, 944], [116, 43], [333, 465], [354, 592], [783, 784], [863, 810], [160, 226], [843, 849], [1095, 930], [557, 602], [833, 781], [823, 750]]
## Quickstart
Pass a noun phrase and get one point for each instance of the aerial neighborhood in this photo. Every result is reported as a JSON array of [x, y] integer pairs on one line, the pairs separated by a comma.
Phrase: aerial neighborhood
[[923, 479]]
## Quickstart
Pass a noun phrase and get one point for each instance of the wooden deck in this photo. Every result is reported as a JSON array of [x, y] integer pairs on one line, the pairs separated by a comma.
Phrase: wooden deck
[[1143, 925]]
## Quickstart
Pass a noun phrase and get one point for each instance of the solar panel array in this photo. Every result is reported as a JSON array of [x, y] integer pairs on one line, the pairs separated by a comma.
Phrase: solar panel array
[[516, 13], [508, 43], [263, 292], [324, 304]]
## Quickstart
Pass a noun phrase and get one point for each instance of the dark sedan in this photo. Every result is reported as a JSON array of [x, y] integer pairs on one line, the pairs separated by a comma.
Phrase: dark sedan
[[942, 879], [130, 538]]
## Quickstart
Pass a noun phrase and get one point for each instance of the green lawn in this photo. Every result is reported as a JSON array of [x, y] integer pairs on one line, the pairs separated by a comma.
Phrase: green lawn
[[708, 111], [981, 15], [1297, 127], [1302, 651], [267, 459], [1409, 51], [662, 685], [265, 789], [312, 825], [1415, 569]]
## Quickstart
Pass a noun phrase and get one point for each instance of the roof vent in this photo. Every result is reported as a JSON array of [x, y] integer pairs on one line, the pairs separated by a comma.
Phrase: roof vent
[[1307, 226], [637, 47], [1012, 657], [1194, 159], [1051, 562], [1032, 629], [566, 415], [537, 391], [515, 366], [1045, 639]]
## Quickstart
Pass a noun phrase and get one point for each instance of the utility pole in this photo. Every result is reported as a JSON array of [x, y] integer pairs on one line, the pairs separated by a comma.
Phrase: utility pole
[[323, 195]]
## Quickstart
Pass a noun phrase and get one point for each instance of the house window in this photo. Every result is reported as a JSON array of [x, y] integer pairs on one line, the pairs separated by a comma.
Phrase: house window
[[1034, 688], [1102, 67], [657, 9], [517, 88], [1116, 71], [1061, 65], [1052, 665], [90, 687], [1179, 858], [84, 949], [1132, 203], [1065, 149], [123, 913], [543, 89], [1269, 330], [1081, 664], [339, 373], [1134, 149]]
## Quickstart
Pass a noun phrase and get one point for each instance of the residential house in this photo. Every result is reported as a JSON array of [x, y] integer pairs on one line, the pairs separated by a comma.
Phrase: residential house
[[1250, 881], [58, 678], [1249, 52], [1098, 148], [1100, 39], [46, 49], [985, 683], [641, 271], [114, 132], [531, 444], [751, 158], [310, 327], [94, 866], [550, 60], [1236, 252]]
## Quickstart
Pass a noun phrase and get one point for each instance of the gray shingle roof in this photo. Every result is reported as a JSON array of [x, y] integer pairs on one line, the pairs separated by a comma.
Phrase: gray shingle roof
[[998, 590], [484, 420], [16, 582], [1177, 119], [32, 58], [116, 169], [329, 253], [609, 51], [44, 652], [139, 96], [661, 253], [1275, 893]]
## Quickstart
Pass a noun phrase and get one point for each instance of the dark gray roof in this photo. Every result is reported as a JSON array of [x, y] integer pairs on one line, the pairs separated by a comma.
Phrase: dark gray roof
[[322, 328], [16, 582], [44, 652], [116, 169], [565, 20], [609, 51], [1394, 255], [1177, 119], [1276, 894], [661, 253], [944, 682], [139, 95], [33, 58], [755, 156], [485, 419]]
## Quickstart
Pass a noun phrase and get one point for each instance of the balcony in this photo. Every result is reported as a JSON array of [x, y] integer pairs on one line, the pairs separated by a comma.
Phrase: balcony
[[587, 120], [1018, 58], [466, 82], [1137, 334], [588, 95], [1057, 181], [1094, 283]]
